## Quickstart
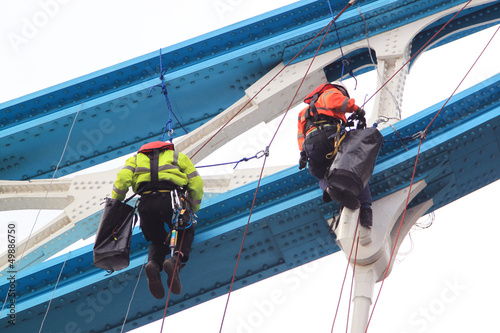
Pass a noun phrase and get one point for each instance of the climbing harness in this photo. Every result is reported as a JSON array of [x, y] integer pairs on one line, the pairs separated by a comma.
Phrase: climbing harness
[[243, 107], [264, 163], [317, 124], [170, 132], [183, 217]]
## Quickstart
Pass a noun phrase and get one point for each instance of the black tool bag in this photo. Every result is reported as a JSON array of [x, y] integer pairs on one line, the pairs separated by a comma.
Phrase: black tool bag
[[353, 166], [112, 243]]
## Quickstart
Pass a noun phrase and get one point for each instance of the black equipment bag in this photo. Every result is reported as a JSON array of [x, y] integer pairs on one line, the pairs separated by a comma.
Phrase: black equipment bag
[[112, 243], [353, 166]]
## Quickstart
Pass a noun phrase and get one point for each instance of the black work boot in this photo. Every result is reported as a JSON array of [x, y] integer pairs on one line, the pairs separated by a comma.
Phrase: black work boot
[[366, 217], [154, 280], [173, 280]]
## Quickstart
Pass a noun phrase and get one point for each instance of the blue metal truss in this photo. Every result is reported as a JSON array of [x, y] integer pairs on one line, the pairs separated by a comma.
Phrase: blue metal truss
[[219, 66], [460, 154], [288, 227]]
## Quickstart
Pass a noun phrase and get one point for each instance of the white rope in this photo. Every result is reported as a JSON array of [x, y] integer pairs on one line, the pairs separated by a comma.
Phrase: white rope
[[133, 293], [53, 292], [46, 195]]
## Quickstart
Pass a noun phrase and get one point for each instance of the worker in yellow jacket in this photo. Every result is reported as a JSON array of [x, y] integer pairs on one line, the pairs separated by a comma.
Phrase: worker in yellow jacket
[[153, 173]]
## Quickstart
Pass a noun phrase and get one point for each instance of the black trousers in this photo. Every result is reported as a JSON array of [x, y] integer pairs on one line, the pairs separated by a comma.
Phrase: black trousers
[[317, 148], [155, 210]]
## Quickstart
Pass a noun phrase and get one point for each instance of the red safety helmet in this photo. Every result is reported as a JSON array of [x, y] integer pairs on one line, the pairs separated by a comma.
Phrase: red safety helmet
[[149, 147], [325, 86]]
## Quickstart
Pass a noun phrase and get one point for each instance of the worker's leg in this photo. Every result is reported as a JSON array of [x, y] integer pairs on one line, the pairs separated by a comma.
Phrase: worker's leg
[[154, 212], [365, 211], [319, 164], [365, 198], [185, 237], [174, 264]]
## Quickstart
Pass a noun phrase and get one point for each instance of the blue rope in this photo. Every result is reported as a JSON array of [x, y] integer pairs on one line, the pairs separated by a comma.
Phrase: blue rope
[[163, 87], [344, 61], [260, 154], [169, 122], [330, 6]]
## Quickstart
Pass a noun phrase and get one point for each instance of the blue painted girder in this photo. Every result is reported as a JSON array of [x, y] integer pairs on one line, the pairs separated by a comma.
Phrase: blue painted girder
[[114, 113], [460, 154]]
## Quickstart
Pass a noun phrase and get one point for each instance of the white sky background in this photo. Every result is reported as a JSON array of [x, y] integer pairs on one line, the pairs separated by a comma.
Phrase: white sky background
[[447, 283]]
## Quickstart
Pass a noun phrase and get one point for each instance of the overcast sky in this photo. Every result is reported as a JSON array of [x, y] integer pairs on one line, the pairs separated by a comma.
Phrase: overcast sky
[[446, 283]]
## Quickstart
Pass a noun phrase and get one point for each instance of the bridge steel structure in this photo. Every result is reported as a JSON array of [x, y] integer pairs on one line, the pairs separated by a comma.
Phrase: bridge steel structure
[[247, 72]]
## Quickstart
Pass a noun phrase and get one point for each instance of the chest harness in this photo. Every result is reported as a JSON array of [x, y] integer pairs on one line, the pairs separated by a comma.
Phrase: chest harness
[[183, 217], [322, 123]]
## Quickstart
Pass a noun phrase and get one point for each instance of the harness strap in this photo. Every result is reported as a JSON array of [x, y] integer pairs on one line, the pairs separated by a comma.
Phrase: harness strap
[[336, 142], [313, 116], [312, 107], [154, 160]]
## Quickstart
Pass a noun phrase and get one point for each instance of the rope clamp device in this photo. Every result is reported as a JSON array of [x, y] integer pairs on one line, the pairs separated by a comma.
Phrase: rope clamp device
[[421, 134], [183, 216], [262, 153]]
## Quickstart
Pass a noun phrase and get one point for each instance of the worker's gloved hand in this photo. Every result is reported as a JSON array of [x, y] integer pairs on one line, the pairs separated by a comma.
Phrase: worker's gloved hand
[[351, 119], [361, 123], [302, 160], [360, 113]]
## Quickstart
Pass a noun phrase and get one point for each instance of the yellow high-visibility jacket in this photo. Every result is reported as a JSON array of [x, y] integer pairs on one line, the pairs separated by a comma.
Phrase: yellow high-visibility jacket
[[173, 166]]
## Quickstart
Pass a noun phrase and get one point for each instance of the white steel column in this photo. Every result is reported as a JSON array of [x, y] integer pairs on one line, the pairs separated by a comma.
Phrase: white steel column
[[375, 246], [393, 51]]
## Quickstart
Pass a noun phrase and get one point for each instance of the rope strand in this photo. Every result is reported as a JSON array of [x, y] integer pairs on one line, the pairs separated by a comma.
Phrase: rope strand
[[53, 292], [416, 53], [258, 155], [46, 194], [260, 90], [343, 281], [171, 283], [171, 113], [261, 173], [422, 137], [133, 294]]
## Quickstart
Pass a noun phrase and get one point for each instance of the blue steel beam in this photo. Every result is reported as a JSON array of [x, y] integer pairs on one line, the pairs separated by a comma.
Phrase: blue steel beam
[[460, 154], [469, 21], [114, 112]]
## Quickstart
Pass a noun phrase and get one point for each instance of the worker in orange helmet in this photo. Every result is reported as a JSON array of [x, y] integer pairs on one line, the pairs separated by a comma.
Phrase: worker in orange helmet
[[318, 127]]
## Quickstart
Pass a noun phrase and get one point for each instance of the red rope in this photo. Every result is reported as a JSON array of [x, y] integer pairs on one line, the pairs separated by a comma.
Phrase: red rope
[[415, 168], [463, 79], [263, 167], [345, 275], [352, 282], [172, 281], [258, 92], [419, 50], [241, 246]]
